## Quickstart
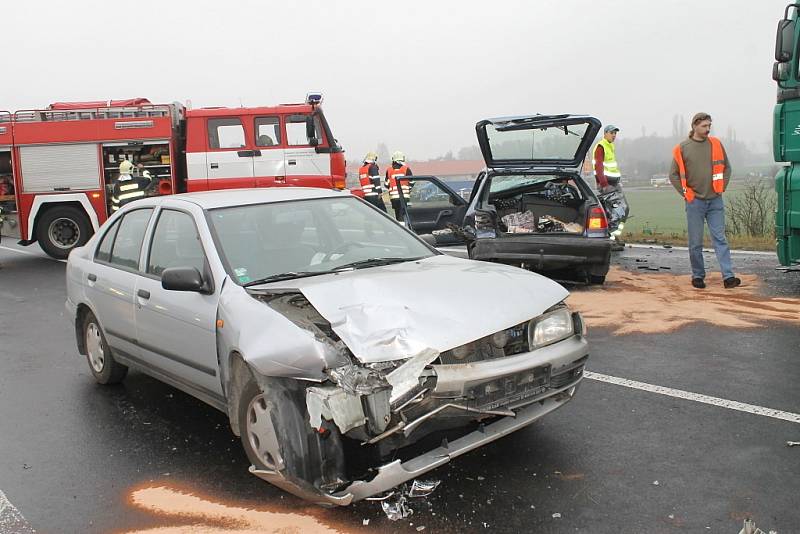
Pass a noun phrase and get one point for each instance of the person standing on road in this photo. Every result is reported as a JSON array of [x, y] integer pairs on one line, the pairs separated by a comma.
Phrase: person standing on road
[[700, 173], [608, 177], [398, 186], [369, 177]]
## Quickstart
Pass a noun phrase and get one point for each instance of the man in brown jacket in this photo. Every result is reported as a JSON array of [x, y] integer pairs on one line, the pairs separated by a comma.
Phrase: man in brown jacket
[[700, 173]]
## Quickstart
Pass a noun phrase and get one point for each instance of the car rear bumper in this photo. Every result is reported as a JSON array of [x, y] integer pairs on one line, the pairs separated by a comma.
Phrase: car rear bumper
[[545, 252]]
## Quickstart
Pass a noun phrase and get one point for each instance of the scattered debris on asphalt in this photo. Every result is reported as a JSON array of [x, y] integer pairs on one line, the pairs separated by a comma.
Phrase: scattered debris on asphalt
[[396, 503], [556, 516], [793, 443], [750, 527]]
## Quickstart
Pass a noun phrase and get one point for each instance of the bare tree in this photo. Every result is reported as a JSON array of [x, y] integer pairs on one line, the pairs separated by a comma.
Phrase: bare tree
[[750, 211]]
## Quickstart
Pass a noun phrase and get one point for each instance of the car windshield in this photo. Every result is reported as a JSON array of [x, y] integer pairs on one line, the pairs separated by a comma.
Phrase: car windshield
[[292, 239], [505, 182], [549, 143]]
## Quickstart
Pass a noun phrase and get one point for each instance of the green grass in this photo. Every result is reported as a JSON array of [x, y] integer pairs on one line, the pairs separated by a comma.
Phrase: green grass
[[657, 215]]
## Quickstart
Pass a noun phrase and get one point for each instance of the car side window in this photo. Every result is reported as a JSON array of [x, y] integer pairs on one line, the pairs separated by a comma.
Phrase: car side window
[[431, 195], [225, 133], [175, 243], [268, 131], [128, 243], [104, 250]]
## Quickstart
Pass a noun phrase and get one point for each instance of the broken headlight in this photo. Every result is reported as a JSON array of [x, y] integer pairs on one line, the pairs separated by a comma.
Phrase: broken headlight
[[550, 327]]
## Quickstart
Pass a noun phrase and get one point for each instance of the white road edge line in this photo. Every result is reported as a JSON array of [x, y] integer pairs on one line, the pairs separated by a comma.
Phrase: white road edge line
[[707, 250], [696, 397], [11, 520], [30, 253]]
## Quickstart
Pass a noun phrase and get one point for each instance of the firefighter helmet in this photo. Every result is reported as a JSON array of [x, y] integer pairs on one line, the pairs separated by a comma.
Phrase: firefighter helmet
[[125, 167], [371, 157], [398, 157]]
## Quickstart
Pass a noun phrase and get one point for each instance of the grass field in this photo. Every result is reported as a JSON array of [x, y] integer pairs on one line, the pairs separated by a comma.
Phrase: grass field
[[657, 215]]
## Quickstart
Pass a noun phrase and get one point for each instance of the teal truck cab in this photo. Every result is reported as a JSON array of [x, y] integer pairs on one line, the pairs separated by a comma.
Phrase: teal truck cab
[[786, 137]]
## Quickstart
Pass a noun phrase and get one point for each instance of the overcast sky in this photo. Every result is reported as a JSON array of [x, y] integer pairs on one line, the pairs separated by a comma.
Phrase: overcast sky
[[415, 75]]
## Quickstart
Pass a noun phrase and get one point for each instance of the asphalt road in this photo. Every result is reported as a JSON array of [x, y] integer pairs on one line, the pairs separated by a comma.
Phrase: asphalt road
[[78, 457]]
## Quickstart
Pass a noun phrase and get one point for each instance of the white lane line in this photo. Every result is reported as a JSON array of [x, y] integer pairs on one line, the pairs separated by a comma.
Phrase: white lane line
[[11, 520], [30, 254], [708, 250], [696, 397]]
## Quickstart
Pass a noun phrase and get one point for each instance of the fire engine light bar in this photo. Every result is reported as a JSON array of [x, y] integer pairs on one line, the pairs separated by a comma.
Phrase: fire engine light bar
[[132, 124], [314, 98]]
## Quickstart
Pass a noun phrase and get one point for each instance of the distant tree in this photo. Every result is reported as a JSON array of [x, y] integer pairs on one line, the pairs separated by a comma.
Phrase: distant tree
[[383, 153], [682, 129], [469, 153]]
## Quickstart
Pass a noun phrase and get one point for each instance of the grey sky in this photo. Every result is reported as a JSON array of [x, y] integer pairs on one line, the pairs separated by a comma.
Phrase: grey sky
[[416, 75]]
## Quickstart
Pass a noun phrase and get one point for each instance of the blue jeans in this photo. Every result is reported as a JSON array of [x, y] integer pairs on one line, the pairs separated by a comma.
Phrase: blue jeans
[[698, 212]]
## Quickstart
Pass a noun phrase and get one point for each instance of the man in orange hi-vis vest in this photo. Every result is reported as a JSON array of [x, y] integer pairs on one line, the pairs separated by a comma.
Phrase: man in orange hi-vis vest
[[700, 173]]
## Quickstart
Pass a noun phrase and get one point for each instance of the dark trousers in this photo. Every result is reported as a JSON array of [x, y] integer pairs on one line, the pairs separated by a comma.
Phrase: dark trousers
[[398, 210], [376, 201]]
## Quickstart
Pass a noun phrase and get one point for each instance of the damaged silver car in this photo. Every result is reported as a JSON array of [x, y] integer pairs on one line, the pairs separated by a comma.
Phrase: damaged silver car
[[331, 336]]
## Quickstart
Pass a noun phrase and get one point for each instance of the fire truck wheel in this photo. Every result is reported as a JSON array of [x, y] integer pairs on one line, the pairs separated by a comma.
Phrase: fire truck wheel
[[105, 369], [61, 229]]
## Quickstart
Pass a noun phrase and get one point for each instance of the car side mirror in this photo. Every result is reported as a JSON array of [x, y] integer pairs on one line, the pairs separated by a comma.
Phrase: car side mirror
[[183, 279], [311, 131], [780, 72]]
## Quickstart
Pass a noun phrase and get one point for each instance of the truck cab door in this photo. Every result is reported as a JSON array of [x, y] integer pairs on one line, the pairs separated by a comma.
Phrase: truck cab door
[[304, 165], [269, 159], [433, 206], [230, 154]]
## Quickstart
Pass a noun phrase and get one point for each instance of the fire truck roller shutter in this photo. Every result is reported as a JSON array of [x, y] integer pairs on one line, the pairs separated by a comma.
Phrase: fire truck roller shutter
[[60, 168]]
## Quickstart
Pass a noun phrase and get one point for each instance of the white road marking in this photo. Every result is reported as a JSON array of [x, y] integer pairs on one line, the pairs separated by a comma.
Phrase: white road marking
[[696, 397], [11, 520], [708, 250], [30, 253]]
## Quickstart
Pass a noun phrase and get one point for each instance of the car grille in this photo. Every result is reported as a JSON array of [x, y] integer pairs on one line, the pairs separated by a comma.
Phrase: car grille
[[568, 376], [483, 349]]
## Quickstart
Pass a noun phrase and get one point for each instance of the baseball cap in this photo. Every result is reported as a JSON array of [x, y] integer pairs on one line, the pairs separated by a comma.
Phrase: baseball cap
[[610, 128]]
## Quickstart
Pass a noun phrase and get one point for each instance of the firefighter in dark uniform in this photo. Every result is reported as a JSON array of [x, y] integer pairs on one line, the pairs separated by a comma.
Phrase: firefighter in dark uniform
[[397, 185], [370, 179], [128, 188]]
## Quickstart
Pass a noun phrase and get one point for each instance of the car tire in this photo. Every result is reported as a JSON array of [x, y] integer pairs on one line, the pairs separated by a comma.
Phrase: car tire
[[61, 229], [104, 368], [597, 279], [276, 434]]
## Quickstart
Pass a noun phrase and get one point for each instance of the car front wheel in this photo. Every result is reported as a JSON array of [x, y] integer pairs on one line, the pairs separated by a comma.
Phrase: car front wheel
[[104, 368]]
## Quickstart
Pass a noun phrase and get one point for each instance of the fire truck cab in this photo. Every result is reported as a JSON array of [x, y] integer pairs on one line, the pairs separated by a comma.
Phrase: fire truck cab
[[58, 166]]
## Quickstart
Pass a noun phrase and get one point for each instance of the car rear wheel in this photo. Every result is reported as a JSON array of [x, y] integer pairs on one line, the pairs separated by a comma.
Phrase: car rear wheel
[[597, 279], [276, 434], [104, 368]]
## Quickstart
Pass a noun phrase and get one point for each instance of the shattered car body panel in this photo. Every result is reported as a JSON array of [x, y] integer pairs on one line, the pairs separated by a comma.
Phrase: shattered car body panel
[[347, 348]]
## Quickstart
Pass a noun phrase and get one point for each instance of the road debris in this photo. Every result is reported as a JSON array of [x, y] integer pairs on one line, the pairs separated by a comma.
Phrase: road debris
[[556, 516], [793, 443], [656, 483], [750, 527], [396, 503]]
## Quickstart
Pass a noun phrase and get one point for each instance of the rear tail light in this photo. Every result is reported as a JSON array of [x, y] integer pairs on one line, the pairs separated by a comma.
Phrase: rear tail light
[[596, 222], [338, 170]]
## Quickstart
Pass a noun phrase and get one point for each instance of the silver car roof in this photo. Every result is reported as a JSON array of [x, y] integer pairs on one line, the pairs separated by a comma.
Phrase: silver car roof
[[261, 195]]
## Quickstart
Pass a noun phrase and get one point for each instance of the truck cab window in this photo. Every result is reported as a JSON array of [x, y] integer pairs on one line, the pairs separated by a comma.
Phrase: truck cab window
[[268, 131], [225, 133], [296, 130]]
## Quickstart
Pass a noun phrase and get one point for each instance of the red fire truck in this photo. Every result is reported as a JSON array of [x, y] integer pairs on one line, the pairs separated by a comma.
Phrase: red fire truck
[[58, 165]]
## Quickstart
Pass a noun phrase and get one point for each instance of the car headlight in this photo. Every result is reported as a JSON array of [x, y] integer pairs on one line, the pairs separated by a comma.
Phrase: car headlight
[[550, 327]]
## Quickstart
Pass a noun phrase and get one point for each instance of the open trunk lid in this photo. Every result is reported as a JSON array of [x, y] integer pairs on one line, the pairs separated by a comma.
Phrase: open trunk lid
[[531, 141]]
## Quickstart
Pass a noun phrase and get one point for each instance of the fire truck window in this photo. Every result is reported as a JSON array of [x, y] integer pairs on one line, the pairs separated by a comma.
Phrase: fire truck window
[[268, 131], [296, 130], [175, 243], [225, 133], [128, 244], [104, 250]]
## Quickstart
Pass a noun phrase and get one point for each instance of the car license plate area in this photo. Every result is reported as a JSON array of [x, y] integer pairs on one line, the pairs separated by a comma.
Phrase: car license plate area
[[509, 389]]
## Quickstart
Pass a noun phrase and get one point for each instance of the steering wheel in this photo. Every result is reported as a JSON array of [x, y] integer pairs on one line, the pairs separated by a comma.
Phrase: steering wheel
[[341, 249]]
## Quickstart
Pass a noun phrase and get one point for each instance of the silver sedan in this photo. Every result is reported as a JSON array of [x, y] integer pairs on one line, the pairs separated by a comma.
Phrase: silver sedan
[[317, 323]]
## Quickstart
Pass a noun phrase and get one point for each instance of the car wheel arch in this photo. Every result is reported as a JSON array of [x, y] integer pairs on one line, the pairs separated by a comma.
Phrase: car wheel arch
[[236, 373]]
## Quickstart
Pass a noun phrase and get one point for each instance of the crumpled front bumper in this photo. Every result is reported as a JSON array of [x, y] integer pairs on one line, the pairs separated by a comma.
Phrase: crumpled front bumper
[[397, 472]]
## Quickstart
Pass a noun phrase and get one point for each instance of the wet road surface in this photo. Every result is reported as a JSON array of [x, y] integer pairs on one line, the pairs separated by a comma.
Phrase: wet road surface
[[143, 457]]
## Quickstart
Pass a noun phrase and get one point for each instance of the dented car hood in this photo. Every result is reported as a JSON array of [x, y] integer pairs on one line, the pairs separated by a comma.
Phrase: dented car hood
[[397, 311]]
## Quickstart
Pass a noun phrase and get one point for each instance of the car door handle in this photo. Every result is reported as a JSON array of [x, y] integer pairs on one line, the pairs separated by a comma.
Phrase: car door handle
[[92, 277], [143, 293], [292, 162], [215, 165], [445, 213]]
